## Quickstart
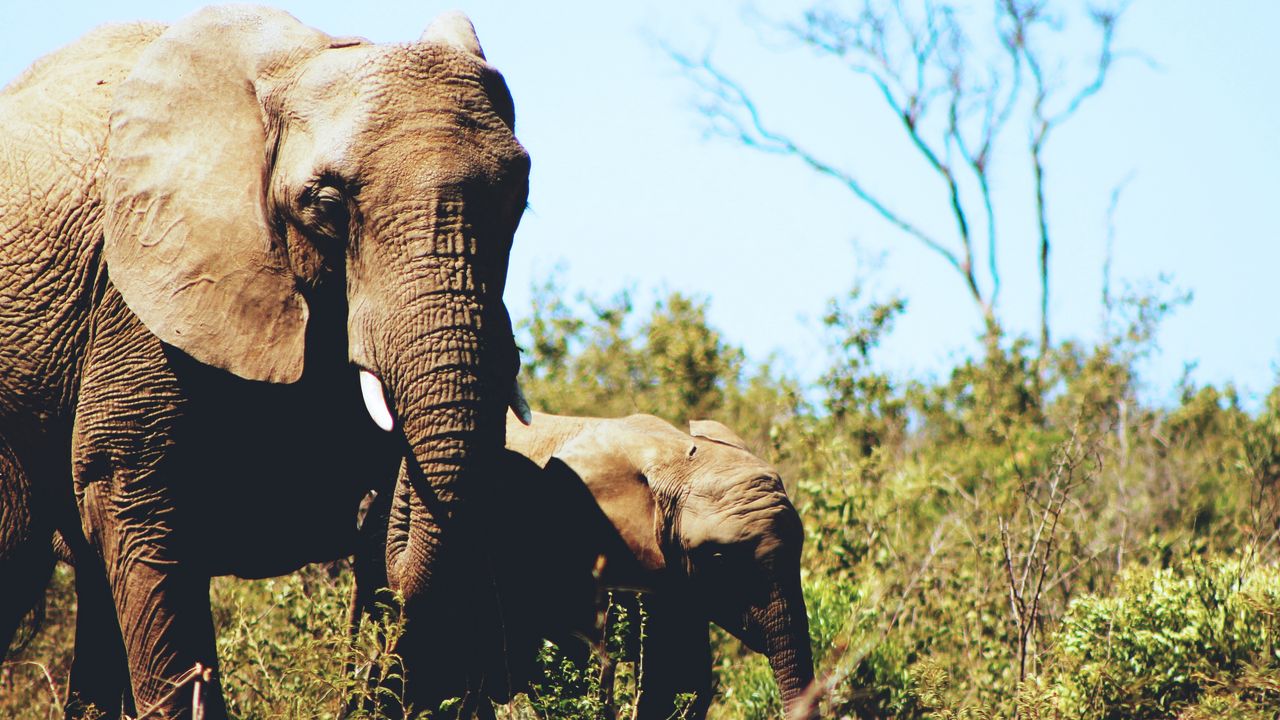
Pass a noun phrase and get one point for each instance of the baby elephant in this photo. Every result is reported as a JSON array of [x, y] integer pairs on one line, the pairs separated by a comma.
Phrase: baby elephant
[[693, 519]]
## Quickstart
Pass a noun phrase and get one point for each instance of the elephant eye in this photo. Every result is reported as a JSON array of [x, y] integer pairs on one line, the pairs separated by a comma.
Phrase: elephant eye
[[327, 195], [329, 200], [714, 556], [329, 209]]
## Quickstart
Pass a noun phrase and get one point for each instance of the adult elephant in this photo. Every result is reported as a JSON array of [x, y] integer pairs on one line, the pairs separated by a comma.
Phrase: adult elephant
[[213, 236], [694, 520]]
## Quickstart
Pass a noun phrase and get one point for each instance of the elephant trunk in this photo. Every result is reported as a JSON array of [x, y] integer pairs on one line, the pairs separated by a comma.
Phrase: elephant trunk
[[453, 421], [784, 624], [437, 347], [454, 425]]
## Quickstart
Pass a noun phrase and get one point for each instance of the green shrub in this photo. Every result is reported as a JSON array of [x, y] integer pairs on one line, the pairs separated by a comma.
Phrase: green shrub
[[1204, 631], [286, 650], [600, 686]]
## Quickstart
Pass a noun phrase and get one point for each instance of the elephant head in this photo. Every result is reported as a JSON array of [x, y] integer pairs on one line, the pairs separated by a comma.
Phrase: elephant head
[[739, 539], [279, 202], [702, 519]]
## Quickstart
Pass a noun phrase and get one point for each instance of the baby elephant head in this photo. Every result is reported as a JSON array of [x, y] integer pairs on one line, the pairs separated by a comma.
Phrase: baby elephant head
[[737, 538], [711, 522]]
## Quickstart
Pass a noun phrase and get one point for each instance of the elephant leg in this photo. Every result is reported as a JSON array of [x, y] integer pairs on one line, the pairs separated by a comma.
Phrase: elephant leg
[[28, 548], [131, 477], [168, 633], [26, 553], [98, 684], [439, 634], [675, 659]]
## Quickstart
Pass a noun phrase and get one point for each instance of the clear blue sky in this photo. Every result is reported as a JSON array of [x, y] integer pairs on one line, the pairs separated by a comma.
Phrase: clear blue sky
[[627, 191]]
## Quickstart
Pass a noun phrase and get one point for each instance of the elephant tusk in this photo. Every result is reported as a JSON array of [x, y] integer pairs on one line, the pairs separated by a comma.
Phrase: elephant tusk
[[519, 405], [375, 400]]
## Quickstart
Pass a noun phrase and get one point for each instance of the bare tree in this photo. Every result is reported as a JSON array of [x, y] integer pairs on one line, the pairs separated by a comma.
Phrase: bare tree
[[955, 86], [1032, 553]]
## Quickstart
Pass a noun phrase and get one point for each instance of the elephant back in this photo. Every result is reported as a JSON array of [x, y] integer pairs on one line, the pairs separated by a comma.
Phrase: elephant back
[[71, 88], [53, 132], [54, 120]]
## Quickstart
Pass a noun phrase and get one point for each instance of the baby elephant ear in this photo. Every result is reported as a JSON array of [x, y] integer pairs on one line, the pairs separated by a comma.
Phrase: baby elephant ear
[[715, 432], [617, 482], [188, 238]]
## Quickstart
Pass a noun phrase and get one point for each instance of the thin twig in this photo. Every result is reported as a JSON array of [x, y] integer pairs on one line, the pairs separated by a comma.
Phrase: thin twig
[[935, 544], [756, 134], [53, 688], [1108, 302], [197, 674]]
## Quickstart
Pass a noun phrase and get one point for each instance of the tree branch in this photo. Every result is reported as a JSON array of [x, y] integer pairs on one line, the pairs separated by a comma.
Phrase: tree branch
[[754, 133], [919, 57], [1024, 17]]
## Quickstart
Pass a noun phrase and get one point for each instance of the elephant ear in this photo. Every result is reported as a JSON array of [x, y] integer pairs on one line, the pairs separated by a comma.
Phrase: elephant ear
[[615, 476], [715, 432], [189, 241]]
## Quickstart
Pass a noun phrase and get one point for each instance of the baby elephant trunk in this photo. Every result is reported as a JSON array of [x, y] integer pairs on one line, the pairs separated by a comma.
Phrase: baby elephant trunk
[[785, 628]]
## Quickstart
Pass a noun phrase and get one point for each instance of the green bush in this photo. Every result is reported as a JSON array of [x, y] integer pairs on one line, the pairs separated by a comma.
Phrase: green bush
[[577, 690], [285, 649], [1201, 632]]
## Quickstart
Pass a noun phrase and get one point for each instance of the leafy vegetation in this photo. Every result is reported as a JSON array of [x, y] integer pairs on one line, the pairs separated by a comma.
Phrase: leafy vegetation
[[976, 542], [1022, 537]]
